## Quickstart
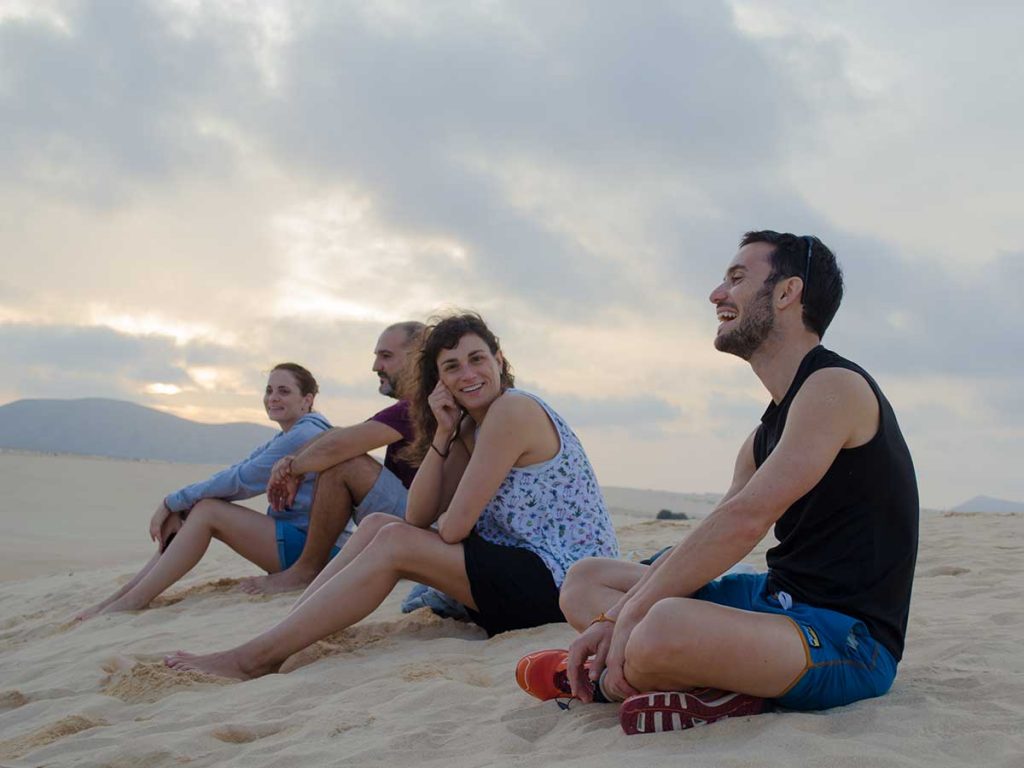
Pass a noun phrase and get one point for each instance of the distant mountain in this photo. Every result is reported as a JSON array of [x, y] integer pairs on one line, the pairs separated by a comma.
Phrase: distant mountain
[[988, 504], [102, 427]]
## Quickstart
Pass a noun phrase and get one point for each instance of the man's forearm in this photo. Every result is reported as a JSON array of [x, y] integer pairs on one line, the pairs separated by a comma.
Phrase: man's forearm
[[328, 449], [719, 542]]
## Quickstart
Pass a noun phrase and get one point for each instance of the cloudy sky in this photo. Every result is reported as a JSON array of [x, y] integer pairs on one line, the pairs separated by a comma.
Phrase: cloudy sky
[[192, 191]]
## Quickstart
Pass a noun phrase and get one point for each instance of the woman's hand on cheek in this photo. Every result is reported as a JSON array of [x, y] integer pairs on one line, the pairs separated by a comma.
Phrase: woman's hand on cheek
[[445, 409]]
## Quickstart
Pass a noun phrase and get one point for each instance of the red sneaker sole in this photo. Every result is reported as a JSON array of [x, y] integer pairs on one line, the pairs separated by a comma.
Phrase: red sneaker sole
[[676, 711]]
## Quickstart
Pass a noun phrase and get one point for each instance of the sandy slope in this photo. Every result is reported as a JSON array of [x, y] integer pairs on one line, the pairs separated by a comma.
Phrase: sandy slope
[[417, 690]]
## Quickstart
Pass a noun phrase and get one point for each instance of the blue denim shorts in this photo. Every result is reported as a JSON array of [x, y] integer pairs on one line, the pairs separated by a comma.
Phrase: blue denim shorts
[[844, 663], [290, 542], [387, 495]]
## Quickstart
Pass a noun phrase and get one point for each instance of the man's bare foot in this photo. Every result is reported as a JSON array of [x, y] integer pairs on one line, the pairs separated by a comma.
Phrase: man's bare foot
[[224, 664], [290, 580]]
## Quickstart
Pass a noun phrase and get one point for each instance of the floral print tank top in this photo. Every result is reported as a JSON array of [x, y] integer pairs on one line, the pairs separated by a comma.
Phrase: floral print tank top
[[554, 509]]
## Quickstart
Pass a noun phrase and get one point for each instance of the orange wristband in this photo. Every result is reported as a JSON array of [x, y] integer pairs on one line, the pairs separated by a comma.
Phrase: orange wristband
[[601, 617]]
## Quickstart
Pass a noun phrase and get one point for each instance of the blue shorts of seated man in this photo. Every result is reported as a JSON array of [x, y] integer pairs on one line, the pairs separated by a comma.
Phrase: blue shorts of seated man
[[387, 495], [844, 663]]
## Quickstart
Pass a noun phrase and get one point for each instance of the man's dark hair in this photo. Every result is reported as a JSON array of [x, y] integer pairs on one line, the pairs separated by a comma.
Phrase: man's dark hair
[[811, 260]]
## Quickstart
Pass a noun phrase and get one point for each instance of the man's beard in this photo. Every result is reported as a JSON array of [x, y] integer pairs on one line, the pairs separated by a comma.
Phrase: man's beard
[[757, 324], [388, 385]]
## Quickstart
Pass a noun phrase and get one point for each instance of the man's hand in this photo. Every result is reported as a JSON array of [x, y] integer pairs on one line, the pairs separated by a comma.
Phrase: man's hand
[[615, 683], [283, 485], [593, 641]]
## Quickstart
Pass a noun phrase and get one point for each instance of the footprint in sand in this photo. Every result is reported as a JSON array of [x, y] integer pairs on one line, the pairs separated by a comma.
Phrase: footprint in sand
[[12, 700], [946, 570], [68, 726], [348, 721], [243, 734], [533, 722], [471, 674], [134, 682]]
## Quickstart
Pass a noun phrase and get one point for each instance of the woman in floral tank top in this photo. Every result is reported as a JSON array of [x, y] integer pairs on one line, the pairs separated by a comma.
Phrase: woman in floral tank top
[[504, 501]]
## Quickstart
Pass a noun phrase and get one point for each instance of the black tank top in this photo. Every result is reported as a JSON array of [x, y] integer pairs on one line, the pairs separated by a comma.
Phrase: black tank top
[[850, 543]]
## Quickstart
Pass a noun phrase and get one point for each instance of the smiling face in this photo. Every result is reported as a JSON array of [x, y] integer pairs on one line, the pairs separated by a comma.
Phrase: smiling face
[[471, 372], [283, 399], [743, 302], [389, 358]]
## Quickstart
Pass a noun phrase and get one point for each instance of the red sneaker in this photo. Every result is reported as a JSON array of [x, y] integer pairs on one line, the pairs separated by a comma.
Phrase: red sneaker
[[676, 710], [542, 674]]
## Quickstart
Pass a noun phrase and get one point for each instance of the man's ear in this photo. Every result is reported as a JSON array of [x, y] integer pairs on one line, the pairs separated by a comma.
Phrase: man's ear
[[792, 290]]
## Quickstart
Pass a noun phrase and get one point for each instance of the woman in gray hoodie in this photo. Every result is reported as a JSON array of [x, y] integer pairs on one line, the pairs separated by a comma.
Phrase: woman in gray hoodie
[[188, 519]]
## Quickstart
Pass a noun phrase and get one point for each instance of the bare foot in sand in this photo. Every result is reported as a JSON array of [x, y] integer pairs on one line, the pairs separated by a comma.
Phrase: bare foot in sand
[[289, 580], [121, 604], [224, 664], [88, 613]]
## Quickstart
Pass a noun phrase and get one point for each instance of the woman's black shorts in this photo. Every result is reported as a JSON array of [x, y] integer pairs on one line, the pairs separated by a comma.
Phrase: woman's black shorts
[[511, 586]]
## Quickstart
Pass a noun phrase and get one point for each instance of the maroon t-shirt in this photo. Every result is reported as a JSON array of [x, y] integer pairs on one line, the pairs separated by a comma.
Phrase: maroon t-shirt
[[397, 417]]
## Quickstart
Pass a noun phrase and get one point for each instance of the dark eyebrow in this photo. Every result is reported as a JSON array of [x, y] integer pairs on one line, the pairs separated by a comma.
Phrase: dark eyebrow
[[734, 269]]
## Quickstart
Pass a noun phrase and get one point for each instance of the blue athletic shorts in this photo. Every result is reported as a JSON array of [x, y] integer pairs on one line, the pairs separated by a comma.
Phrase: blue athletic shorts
[[387, 495], [844, 663], [290, 541]]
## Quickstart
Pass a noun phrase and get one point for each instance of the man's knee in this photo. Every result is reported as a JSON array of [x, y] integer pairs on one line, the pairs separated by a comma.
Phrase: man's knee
[[343, 472], [584, 573], [355, 471], [660, 636], [582, 577]]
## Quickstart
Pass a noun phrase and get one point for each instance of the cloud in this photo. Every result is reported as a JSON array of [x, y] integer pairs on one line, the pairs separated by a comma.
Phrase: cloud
[[917, 317], [640, 414], [72, 361], [259, 181], [434, 116]]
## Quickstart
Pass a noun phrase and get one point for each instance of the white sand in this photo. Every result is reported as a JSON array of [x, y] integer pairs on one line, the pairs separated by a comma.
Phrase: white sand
[[416, 690]]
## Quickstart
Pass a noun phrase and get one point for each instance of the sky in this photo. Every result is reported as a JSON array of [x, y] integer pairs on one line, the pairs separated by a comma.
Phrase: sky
[[191, 192]]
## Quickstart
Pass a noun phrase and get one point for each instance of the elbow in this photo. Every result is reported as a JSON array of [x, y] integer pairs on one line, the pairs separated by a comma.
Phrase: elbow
[[413, 517], [449, 534], [745, 526]]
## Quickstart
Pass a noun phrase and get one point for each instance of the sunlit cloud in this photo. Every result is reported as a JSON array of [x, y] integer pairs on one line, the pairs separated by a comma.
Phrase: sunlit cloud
[[43, 11], [154, 324], [340, 263], [158, 388], [197, 189]]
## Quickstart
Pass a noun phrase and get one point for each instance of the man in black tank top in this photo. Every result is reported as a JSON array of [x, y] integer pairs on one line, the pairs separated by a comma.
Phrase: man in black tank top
[[828, 467]]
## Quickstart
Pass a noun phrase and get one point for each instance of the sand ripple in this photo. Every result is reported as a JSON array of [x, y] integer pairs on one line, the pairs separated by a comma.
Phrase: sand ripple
[[67, 726]]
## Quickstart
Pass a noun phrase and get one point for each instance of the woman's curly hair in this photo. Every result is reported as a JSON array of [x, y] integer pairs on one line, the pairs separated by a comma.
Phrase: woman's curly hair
[[441, 333]]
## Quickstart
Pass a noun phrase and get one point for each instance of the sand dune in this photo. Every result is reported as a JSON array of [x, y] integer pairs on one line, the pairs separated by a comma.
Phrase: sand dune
[[419, 690]]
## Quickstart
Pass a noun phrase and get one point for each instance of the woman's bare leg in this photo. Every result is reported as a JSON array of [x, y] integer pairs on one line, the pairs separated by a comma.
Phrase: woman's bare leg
[[357, 542], [251, 534], [170, 527], [397, 551], [88, 613]]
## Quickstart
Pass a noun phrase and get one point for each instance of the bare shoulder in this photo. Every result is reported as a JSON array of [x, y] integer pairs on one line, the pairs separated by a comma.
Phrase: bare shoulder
[[516, 407], [841, 396], [837, 385]]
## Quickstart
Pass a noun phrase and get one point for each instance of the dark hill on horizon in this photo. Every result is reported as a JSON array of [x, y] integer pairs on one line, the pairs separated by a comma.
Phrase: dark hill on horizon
[[119, 429], [989, 504]]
